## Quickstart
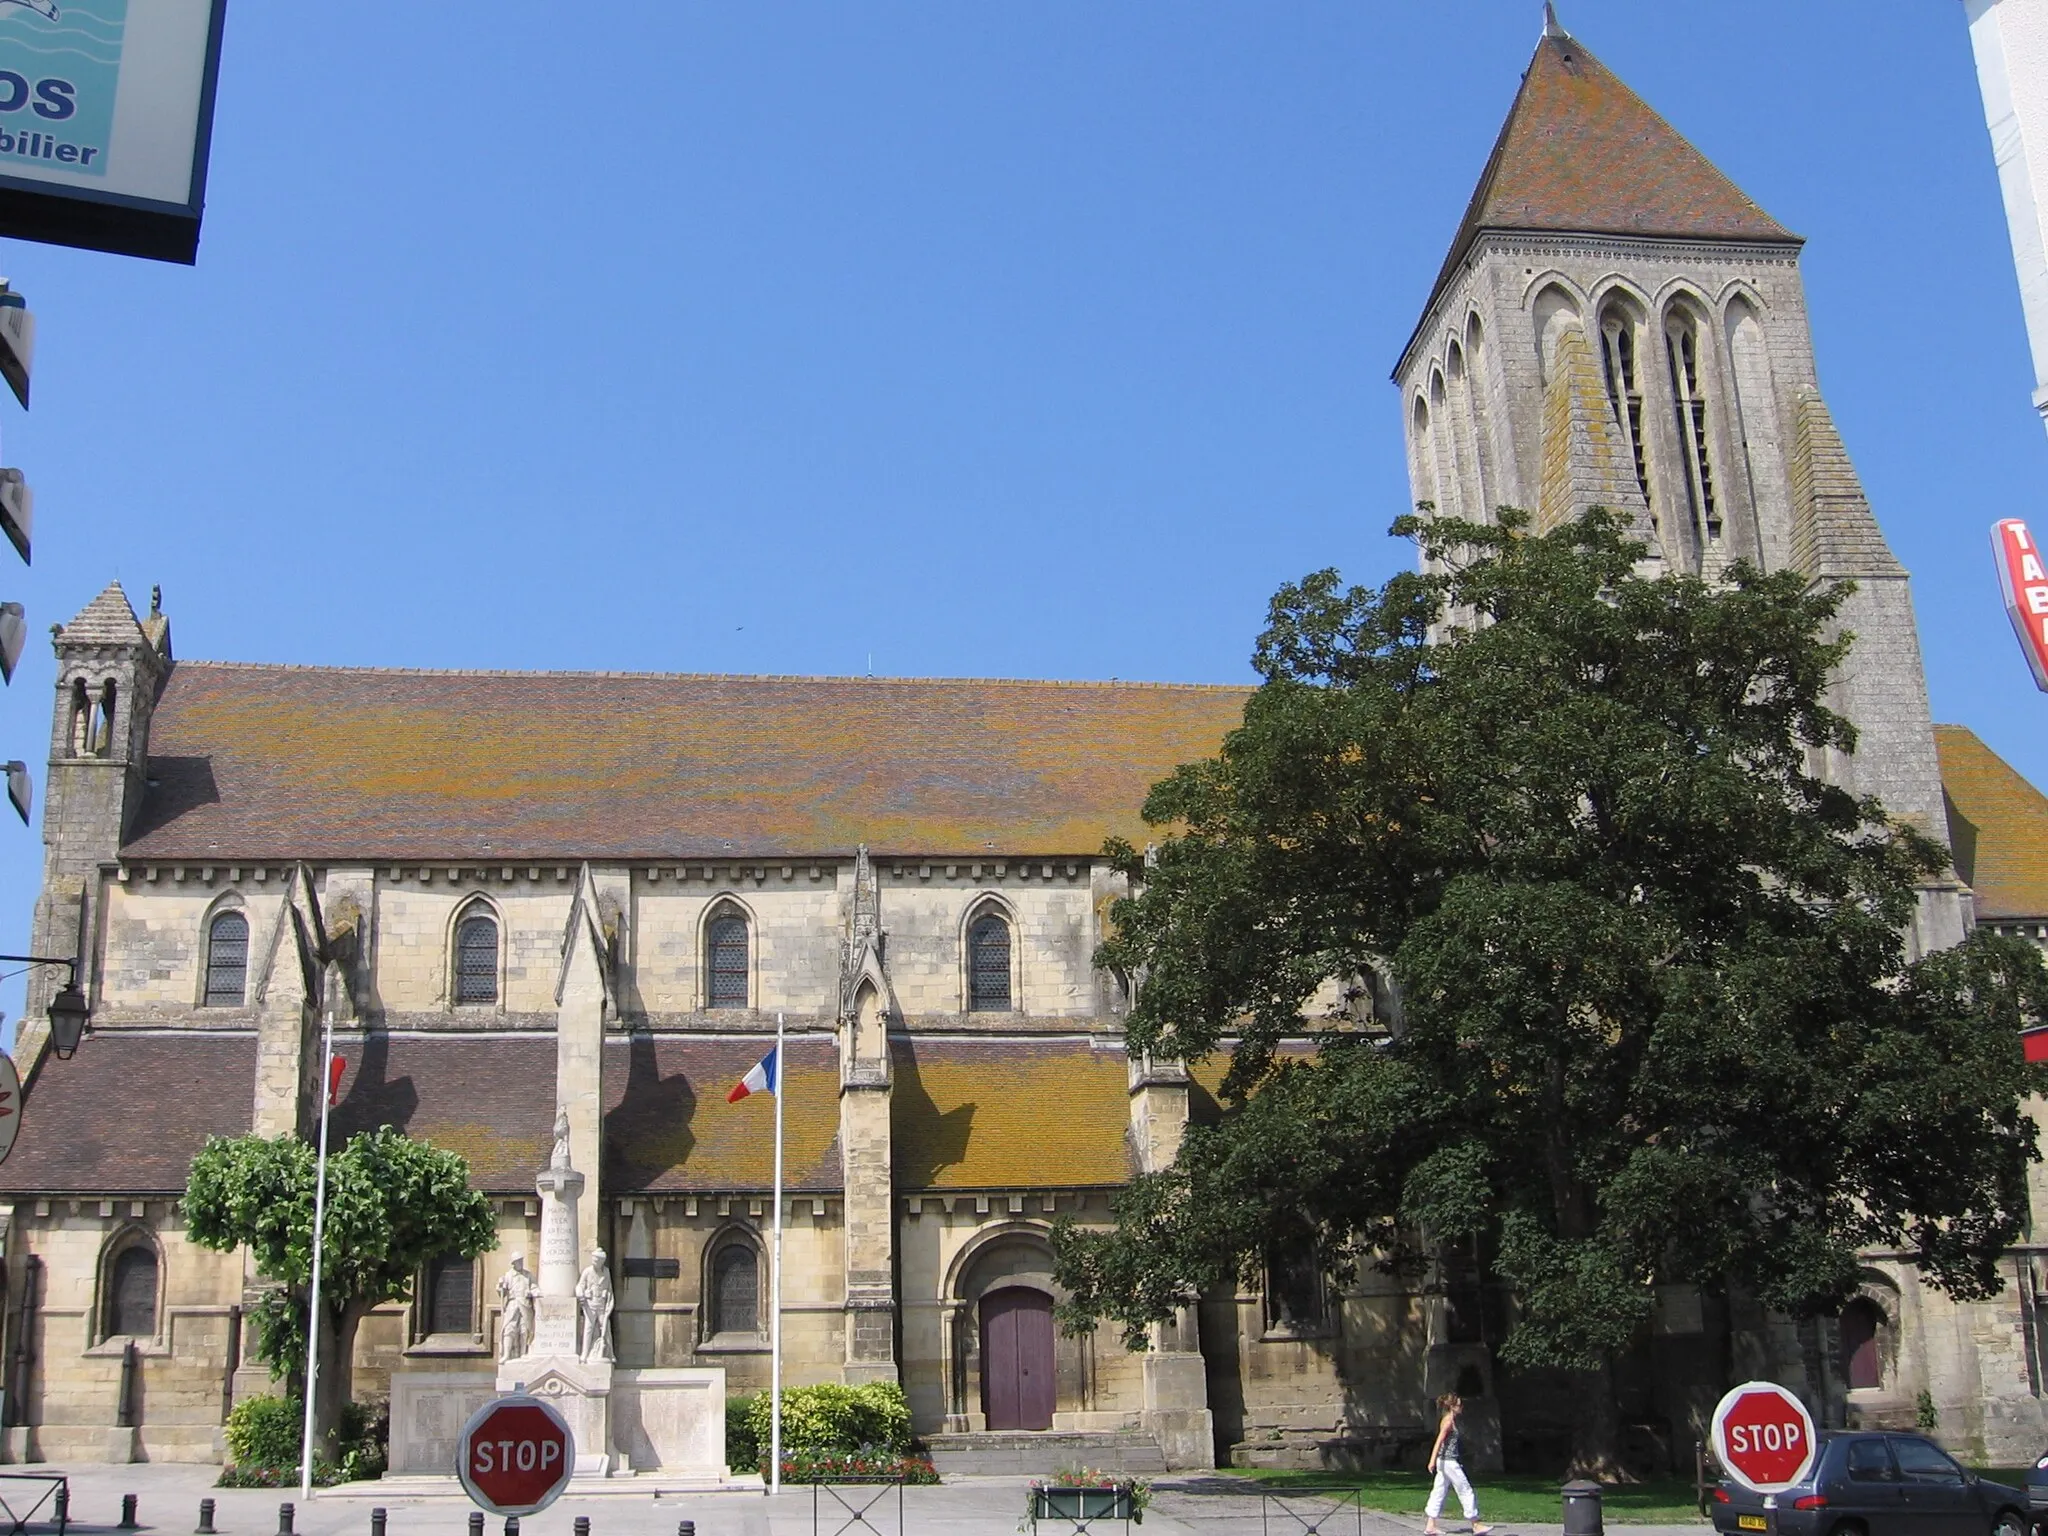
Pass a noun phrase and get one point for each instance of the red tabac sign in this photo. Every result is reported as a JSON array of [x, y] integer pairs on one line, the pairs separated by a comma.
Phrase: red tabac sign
[[1764, 1437], [2023, 575]]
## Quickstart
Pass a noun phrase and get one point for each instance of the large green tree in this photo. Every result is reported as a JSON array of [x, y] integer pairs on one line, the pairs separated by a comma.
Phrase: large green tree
[[393, 1204], [1657, 1020]]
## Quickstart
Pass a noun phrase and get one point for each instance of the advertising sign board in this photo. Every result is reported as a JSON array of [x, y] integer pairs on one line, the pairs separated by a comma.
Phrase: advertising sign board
[[2023, 577], [106, 109]]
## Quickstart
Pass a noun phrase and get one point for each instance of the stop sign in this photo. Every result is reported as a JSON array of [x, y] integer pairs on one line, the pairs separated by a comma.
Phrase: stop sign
[[1764, 1437], [515, 1455]]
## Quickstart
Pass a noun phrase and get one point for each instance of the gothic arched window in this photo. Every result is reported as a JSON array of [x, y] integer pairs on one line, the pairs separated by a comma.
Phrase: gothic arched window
[[726, 943], [1689, 399], [131, 1293], [988, 964], [476, 959], [227, 960], [736, 1289]]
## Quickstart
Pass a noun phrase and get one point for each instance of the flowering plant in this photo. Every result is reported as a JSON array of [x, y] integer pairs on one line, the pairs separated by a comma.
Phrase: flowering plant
[[864, 1466], [1136, 1492]]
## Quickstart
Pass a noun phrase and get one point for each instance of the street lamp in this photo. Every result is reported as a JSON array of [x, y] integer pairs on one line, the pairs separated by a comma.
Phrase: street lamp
[[70, 1014]]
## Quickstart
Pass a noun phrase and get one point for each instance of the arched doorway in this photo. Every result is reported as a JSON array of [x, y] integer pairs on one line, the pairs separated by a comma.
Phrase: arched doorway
[[1016, 1358], [1862, 1363]]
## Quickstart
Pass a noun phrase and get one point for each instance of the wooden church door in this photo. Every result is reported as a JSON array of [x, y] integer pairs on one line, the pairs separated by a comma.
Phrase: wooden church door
[[1016, 1359]]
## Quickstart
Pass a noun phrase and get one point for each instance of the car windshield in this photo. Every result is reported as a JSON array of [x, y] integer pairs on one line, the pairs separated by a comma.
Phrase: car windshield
[[1921, 1461]]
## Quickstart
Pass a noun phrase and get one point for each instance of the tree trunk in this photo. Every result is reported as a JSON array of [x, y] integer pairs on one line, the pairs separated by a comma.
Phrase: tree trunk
[[1596, 1427], [337, 1373]]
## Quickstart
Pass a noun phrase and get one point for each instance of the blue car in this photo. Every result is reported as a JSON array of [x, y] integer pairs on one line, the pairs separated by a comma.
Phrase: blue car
[[1866, 1483]]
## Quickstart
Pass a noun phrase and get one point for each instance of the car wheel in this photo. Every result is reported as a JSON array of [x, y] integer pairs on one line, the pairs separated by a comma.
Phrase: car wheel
[[2009, 1524]]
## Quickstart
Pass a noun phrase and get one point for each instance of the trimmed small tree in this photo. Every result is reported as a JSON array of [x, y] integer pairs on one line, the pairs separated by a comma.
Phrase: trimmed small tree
[[1657, 1022], [393, 1204]]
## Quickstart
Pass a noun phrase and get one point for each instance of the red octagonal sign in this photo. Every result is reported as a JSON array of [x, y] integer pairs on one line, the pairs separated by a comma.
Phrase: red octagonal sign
[[515, 1455], [1764, 1437]]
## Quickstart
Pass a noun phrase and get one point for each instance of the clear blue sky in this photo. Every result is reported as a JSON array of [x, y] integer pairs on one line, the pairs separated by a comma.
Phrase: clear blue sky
[[1003, 339]]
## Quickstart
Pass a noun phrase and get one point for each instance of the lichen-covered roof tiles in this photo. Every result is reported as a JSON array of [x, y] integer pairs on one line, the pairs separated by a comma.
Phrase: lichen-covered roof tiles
[[270, 762], [128, 1113], [667, 1125], [1997, 827], [1581, 153], [997, 1114]]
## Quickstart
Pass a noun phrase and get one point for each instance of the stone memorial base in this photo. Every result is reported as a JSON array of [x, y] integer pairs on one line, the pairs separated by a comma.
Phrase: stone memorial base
[[428, 1410], [671, 1421], [581, 1393]]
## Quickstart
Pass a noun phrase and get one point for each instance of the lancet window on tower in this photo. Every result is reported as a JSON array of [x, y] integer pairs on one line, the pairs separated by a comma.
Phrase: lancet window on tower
[[1625, 388], [1689, 398]]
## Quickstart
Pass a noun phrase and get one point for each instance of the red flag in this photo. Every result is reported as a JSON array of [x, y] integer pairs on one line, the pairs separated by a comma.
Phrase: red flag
[[335, 1067]]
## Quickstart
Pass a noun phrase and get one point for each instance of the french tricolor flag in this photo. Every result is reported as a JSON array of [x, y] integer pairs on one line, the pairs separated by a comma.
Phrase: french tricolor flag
[[764, 1076]]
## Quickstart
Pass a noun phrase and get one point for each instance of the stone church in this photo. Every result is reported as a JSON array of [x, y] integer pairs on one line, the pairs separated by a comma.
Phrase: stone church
[[512, 892]]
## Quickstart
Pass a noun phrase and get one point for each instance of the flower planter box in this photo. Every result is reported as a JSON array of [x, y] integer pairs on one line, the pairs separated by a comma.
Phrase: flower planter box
[[1081, 1504]]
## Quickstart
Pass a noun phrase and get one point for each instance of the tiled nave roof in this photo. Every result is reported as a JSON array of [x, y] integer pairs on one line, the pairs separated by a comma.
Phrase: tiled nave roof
[[1997, 826], [269, 762]]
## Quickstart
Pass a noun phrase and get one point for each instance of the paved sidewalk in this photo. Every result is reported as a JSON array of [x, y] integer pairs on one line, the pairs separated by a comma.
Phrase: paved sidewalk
[[169, 1498]]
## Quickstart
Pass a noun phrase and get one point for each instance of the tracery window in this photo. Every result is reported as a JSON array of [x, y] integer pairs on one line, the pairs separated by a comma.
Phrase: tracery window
[[476, 959], [988, 964], [227, 960], [450, 1300], [736, 1289], [726, 936], [1689, 399], [1297, 1299], [131, 1293]]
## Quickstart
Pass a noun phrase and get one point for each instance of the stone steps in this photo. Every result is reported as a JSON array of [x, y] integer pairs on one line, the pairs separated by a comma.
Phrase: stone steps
[[1041, 1453]]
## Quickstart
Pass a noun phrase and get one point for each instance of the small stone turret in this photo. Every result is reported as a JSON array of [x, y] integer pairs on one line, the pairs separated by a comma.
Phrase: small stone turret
[[110, 668]]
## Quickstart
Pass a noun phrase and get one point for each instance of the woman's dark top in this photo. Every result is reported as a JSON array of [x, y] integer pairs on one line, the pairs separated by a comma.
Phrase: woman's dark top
[[1453, 1444]]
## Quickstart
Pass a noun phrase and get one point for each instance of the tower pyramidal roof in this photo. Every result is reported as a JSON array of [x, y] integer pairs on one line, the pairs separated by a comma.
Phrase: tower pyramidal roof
[[1581, 153]]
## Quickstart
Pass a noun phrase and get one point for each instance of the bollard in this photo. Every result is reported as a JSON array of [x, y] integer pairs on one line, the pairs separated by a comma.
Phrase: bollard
[[205, 1517], [284, 1519], [377, 1518], [1582, 1509], [686, 1528], [127, 1513], [63, 1505], [476, 1522], [511, 1525], [583, 1525]]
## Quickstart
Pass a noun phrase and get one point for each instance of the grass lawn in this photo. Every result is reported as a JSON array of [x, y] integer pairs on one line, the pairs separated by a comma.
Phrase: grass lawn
[[1503, 1497]]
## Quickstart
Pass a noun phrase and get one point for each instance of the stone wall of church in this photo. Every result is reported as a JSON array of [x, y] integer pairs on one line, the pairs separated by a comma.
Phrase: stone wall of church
[[153, 940], [955, 1248], [75, 1369]]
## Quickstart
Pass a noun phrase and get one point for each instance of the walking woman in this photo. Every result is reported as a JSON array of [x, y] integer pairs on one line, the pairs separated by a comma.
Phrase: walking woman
[[1446, 1460]]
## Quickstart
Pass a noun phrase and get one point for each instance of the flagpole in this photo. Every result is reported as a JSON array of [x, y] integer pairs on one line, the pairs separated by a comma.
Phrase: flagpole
[[319, 1222], [775, 1284]]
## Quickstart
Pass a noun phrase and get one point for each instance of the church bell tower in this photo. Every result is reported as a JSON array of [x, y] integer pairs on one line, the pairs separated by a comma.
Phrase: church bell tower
[[1617, 324]]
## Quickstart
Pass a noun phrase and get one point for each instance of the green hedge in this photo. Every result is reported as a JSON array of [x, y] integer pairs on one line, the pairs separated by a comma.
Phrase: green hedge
[[264, 1432], [827, 1420], [743, 1451]]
